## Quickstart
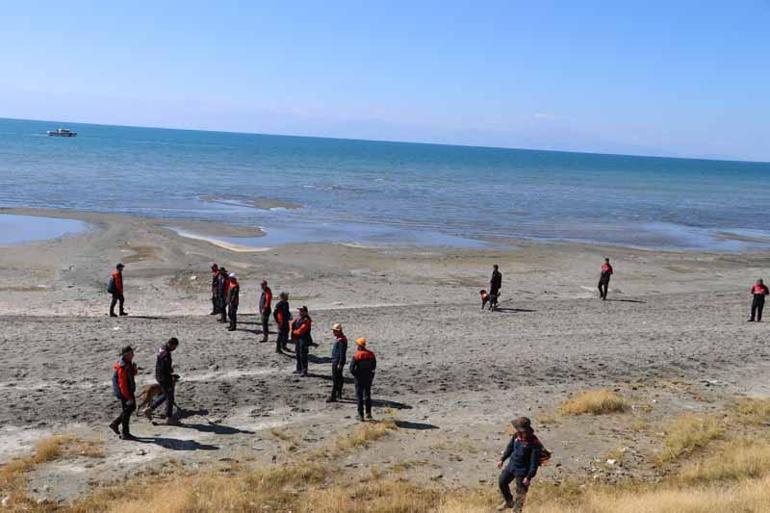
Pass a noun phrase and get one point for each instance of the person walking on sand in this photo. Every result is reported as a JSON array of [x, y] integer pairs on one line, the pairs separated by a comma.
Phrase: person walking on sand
[[300, 333], [164, 375], [115, 287], [123, 388], [265, 304], [495, 284], [523, 454], [233, 293], [604, 279], [282, 316], [758, 291], [222, 282], [214, 289], [362, 367], [339, 357]]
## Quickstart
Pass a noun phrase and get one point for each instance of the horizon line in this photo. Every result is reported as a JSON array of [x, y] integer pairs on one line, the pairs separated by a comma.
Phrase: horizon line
[[395, 141]]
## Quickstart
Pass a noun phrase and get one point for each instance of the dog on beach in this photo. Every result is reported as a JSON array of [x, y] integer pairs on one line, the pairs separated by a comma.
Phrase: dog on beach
[[150, 392], [485, 297]]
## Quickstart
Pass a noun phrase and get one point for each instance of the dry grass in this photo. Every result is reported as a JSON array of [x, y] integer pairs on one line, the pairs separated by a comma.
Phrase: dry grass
[[733, 461], [594, 402], [364, 434], [688, 433], [753, 410]]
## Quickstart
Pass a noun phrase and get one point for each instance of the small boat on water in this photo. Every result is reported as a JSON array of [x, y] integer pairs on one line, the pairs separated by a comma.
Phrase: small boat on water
[[62, 132]]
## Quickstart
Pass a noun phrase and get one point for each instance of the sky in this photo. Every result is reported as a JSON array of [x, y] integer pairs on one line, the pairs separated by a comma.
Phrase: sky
[[671, 78]]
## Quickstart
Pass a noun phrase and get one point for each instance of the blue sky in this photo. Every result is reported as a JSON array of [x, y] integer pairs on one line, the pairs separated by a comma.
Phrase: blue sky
[[675, 78]]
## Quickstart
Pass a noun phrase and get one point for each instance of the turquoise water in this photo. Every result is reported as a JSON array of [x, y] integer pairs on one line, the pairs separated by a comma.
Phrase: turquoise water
[[19, 229], [386, 193]]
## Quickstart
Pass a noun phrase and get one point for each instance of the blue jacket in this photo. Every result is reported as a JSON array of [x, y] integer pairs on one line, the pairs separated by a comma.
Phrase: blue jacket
[[523, 457], [340, 350]]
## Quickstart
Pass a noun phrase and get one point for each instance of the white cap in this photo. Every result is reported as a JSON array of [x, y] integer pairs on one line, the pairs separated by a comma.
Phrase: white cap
[[232, 275]]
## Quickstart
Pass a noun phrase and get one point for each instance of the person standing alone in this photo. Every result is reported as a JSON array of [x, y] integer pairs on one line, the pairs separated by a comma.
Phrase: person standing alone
[[339, 357], [123, 388], [604, 279], [759, 291], [233, 293], [265, 304], [115, 287], [495, 284], [362, 367], [523, 454]]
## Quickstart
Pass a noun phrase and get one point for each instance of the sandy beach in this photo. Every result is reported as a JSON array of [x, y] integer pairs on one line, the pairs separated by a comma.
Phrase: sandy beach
[[672, 338]]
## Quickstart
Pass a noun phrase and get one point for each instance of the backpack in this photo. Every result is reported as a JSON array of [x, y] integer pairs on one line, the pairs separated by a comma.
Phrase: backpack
[[111, 286], [115, 386], [545, 456]]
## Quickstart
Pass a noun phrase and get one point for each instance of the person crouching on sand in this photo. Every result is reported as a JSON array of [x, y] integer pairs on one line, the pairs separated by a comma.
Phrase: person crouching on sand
[[123, 388], [362, 367], [339, 357], [758, 291], [523, 454], [282, 316], [303, 339]]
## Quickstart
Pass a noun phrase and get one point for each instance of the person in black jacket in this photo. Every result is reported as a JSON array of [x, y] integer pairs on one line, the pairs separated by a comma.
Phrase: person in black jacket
[[222, 282], [233, 299], [523, 454], [495, 284], [282, 316], [214, 289], [301, 334], [164, 375], [339, 357], [362, 367]]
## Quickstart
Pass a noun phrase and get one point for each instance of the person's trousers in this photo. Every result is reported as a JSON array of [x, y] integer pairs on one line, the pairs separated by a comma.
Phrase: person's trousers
[[300, 354], [364, 394], [125, 416], [337, 380], [214, 304], [232, 312], [265, 323], [603, 286], [168, 397], [757, 305], [116, 299], [222, 310], [504, 482], [283, 338]]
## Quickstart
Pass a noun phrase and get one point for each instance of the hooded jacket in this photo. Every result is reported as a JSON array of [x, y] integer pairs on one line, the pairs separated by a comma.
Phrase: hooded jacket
[[282, 313], [363, 364], [265, 301], [116, 283], [164, 367]]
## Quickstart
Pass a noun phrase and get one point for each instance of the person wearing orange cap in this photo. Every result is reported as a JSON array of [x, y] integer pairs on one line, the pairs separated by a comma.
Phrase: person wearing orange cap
[[362, 367], [339, 357]]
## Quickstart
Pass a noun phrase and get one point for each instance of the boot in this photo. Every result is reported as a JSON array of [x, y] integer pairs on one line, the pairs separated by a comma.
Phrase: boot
[[505, 505], [114, 428]]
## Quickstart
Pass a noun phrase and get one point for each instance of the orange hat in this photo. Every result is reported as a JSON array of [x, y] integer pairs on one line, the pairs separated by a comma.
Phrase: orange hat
[[361, 342]]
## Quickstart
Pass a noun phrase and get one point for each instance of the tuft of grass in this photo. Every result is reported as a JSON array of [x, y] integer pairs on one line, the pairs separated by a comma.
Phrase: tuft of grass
[[364, 434], [753, 410], [688, 433], [594, 402], [733, 461]]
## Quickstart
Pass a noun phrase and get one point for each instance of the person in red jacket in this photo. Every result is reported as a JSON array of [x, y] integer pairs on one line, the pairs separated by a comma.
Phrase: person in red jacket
[[604, 278], [116, 289], [123, 388], [300, 333], [759, 291], [265, 308]]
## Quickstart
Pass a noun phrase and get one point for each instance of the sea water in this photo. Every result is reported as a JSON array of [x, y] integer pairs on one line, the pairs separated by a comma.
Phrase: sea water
[[314, 189]]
